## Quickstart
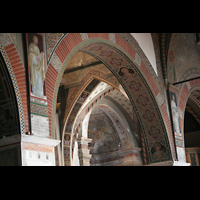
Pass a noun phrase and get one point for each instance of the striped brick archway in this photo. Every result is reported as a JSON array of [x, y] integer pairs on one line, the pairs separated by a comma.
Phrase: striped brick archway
[[142, 86], [187, 89], [17, 73], [194, 101]]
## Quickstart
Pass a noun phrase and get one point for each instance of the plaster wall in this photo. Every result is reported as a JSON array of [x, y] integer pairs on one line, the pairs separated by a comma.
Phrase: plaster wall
[[37, 158], [145, 42], [187, 53]]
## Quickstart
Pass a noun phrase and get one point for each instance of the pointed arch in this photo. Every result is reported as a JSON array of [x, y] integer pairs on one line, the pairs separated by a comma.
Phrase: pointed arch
[[142, 83]]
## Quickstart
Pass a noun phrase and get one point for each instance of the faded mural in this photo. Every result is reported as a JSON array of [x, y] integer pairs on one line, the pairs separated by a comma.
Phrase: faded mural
[[175, 114], [102, 132]]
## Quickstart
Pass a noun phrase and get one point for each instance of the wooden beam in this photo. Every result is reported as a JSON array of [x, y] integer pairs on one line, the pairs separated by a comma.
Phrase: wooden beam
[[186, 80]]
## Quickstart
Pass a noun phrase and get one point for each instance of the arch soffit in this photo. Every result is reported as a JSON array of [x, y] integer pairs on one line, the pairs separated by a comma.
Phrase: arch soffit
[[194, 105], [186, 96], [139, 85], [96, 49], [125, 41]]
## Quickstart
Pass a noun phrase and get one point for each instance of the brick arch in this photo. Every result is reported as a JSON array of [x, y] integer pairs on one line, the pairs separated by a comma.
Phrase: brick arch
[[183, 97], [195, 113], [188, 73], [185, 90], [18, 77], [78, 122], [71, 103], [71, 43]]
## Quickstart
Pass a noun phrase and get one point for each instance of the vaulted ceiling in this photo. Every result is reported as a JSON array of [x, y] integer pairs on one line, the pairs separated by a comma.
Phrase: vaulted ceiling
[[81, 63]]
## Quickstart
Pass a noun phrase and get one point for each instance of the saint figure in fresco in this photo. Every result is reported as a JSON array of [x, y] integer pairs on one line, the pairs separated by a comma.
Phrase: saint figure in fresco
[[126, 73], [159, 152], [175, 116], [83, 97], [36, 63], [67, 140]]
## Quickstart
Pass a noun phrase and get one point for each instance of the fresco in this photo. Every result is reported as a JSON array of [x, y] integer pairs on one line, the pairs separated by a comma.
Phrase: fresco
[[175, 114], [158, 150], [139, 93], [103, 133], [83, 97], [36, 62]]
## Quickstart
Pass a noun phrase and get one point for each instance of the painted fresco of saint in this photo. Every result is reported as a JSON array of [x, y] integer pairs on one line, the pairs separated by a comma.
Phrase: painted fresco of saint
[[126, 73], [158, 150], [83, 97], [36, 63], [175, 116]]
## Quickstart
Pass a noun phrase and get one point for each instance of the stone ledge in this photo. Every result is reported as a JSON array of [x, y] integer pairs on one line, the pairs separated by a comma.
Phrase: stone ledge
[[39, 140]]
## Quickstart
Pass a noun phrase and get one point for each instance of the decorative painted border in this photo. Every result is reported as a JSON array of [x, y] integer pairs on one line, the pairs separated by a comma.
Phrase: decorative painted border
[[112, 64], [58, 42], [39, 109]]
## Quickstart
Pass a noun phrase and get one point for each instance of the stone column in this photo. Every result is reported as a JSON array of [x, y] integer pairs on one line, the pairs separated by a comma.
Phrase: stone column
[[84, 152]]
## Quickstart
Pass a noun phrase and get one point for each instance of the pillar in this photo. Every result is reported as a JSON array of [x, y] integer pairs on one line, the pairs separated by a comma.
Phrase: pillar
[[84, 152]]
